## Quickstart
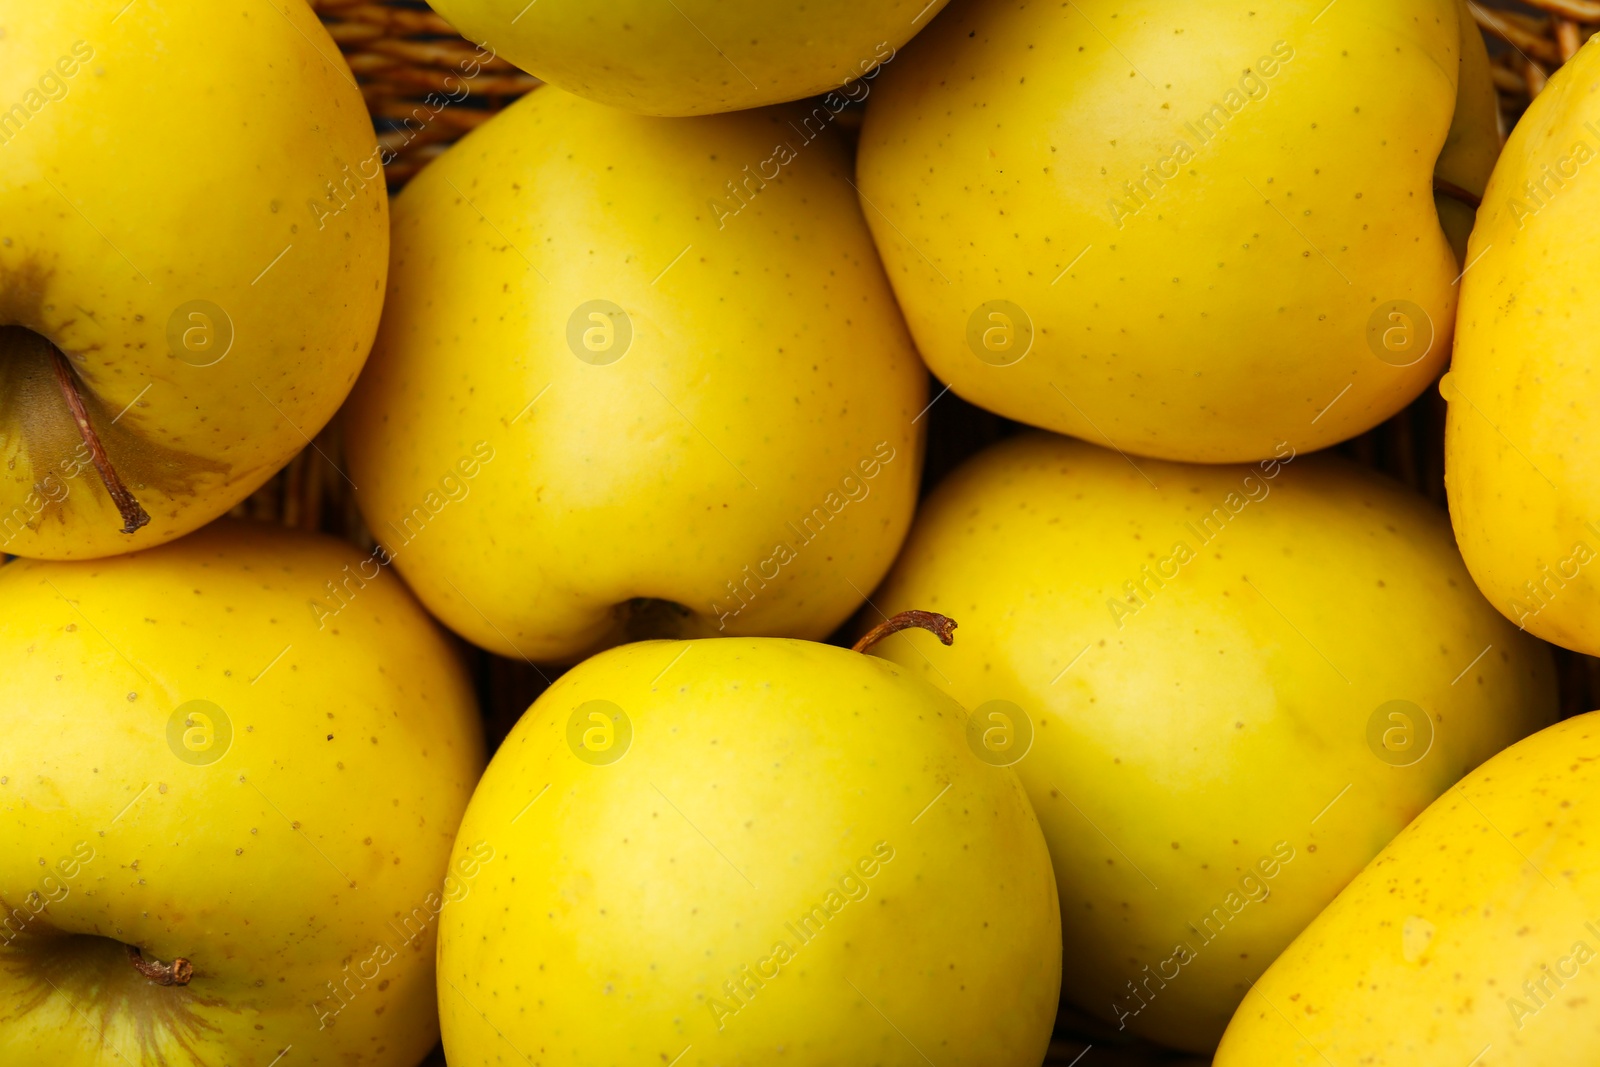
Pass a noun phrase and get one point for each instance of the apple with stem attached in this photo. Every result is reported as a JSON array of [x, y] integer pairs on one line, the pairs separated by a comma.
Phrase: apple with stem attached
[[193, 243], [1208, 656], [750, 850]]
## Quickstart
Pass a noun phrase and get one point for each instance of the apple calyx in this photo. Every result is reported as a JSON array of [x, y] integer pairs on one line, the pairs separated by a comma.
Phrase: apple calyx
[[941, 626], [178, 972], [1456, 192], [133, 513]]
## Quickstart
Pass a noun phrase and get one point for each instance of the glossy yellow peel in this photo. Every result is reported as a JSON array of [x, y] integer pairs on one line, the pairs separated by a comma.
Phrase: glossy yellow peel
[[1187, 230], [693, 57], [191, 764], [1241, 682], [1520, 456], [1473, 938], [747, 851], [192, 208], [612, 398]]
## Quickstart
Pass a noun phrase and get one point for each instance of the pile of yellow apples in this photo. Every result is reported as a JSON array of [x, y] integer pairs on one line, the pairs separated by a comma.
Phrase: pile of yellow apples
[[1156, 717]]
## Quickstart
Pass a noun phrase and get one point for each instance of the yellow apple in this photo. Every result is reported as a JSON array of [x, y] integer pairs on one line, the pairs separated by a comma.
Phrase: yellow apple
[[193, 240], [610, 399], [1240, 681], [1470, 149], [194, 764], [1519, 446], [1473, 938], [1189, 232], [694, 57], [746, 851]]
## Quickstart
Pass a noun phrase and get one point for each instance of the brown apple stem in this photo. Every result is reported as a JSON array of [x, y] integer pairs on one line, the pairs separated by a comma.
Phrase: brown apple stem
[[178, 972], [1455, 192], [941, 626], [133, 513]]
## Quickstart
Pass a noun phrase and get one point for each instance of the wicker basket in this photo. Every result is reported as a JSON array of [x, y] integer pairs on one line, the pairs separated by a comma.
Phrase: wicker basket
[[412, 66]]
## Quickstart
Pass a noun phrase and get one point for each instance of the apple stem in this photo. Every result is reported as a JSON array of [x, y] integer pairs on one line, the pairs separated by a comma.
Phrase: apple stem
[[133, 513], [1455, 192], [178, 972], [941, 626]]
